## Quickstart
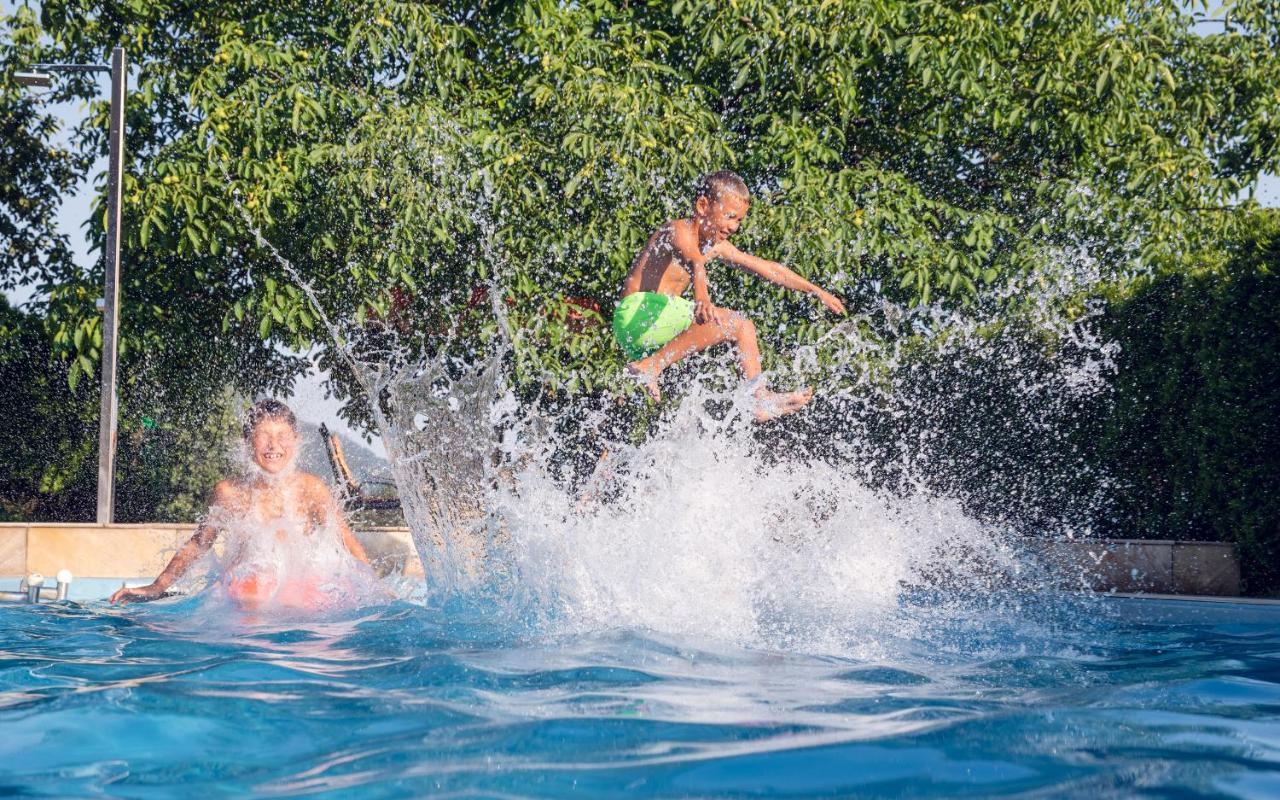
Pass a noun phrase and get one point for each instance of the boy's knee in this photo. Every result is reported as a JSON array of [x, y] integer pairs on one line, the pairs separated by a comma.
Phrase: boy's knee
[[733, 325]]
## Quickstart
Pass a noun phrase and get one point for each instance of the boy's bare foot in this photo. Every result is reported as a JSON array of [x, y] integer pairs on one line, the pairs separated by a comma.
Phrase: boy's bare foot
[[646, 379], [777, 404]]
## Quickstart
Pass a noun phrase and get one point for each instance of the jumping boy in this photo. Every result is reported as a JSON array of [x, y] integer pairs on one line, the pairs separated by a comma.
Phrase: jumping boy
[[656, 327]]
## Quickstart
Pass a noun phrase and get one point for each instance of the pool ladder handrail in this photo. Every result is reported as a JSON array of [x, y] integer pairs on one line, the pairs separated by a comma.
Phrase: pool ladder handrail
[[32, 589]]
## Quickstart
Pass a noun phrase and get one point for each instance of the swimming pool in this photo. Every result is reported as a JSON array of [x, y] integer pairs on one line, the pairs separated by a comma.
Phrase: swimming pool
[[1049, 696]]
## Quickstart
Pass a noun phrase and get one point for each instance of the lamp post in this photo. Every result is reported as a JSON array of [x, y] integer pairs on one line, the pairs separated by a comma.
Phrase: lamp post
[[40, 77]]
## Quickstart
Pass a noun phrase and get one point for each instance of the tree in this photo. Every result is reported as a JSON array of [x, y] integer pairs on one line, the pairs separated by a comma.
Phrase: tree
[[173, 444], [391, 149], [48, 430], [395, 159], [34, 172]]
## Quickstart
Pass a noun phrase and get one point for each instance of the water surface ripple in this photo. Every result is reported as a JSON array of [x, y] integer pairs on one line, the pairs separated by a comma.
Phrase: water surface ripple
[[1087, 698]]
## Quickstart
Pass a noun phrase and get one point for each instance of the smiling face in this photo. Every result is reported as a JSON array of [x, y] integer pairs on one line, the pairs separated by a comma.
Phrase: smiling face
[[720, 218], [274, 443]]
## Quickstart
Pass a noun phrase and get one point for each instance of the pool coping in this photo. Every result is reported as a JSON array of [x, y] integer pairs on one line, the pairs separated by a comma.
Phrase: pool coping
[[1150, 567], [1196, 598]]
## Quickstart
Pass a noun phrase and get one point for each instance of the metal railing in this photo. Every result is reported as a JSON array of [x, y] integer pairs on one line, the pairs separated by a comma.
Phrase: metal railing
[[32, 589]]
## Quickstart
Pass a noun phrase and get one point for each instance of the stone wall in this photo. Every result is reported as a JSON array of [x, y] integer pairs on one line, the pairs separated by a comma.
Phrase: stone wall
[[1153, 566], [141, 551]]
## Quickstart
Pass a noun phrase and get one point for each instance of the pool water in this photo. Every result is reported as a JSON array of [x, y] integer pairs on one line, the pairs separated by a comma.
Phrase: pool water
[[1048, 697]]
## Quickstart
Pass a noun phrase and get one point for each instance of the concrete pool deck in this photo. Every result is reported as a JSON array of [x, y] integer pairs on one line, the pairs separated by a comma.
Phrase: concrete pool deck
[[130, 552]]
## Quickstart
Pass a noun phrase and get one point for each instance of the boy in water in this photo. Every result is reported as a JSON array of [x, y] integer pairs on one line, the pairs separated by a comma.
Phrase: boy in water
[[656, 327], [291, 533]]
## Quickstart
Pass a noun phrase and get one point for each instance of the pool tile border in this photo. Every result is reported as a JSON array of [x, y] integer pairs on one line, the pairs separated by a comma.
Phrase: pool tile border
[[142, 550]]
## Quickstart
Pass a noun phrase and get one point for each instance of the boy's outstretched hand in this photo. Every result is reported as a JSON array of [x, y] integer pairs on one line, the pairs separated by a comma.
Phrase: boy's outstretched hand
[[833, 303], [135, 594]]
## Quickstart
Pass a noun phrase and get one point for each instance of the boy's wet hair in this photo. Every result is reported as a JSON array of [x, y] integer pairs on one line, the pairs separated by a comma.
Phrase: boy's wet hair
[[715, 185], [269, 408]]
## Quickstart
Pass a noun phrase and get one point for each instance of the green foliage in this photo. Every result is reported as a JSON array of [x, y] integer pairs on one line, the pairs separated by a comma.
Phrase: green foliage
[[173, 451], [173, 444], [1193, 437], [398, 155], [390, 149], [48, 431]]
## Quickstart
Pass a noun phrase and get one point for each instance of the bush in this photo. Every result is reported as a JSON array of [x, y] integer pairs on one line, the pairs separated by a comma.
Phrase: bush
[[48, 432], [173, 440], [1193, 435]]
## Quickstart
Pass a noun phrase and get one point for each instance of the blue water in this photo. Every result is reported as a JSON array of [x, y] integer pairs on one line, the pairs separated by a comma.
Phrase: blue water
[[1046, 697]]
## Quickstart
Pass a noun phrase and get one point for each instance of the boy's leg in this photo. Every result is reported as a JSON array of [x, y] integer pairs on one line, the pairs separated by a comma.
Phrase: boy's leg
[[729, 326], [770, 403], [693, 339]]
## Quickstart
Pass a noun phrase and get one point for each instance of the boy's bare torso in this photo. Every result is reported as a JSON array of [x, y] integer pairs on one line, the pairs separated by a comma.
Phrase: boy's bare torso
[[293, 497], [659, 266]]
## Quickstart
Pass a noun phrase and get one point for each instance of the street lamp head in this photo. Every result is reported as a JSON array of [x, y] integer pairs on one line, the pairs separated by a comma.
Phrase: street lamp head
[[42, 80]]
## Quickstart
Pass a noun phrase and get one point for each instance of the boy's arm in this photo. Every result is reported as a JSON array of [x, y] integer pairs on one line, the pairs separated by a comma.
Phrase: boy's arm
[[351, 542], [776, 273], [188, 554], [684, 240], [325, 507]]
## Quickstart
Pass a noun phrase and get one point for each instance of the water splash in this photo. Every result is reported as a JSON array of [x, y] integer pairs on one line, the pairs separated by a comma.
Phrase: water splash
[[704, 530], [808, 535], [937, 435], [272, 555]]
